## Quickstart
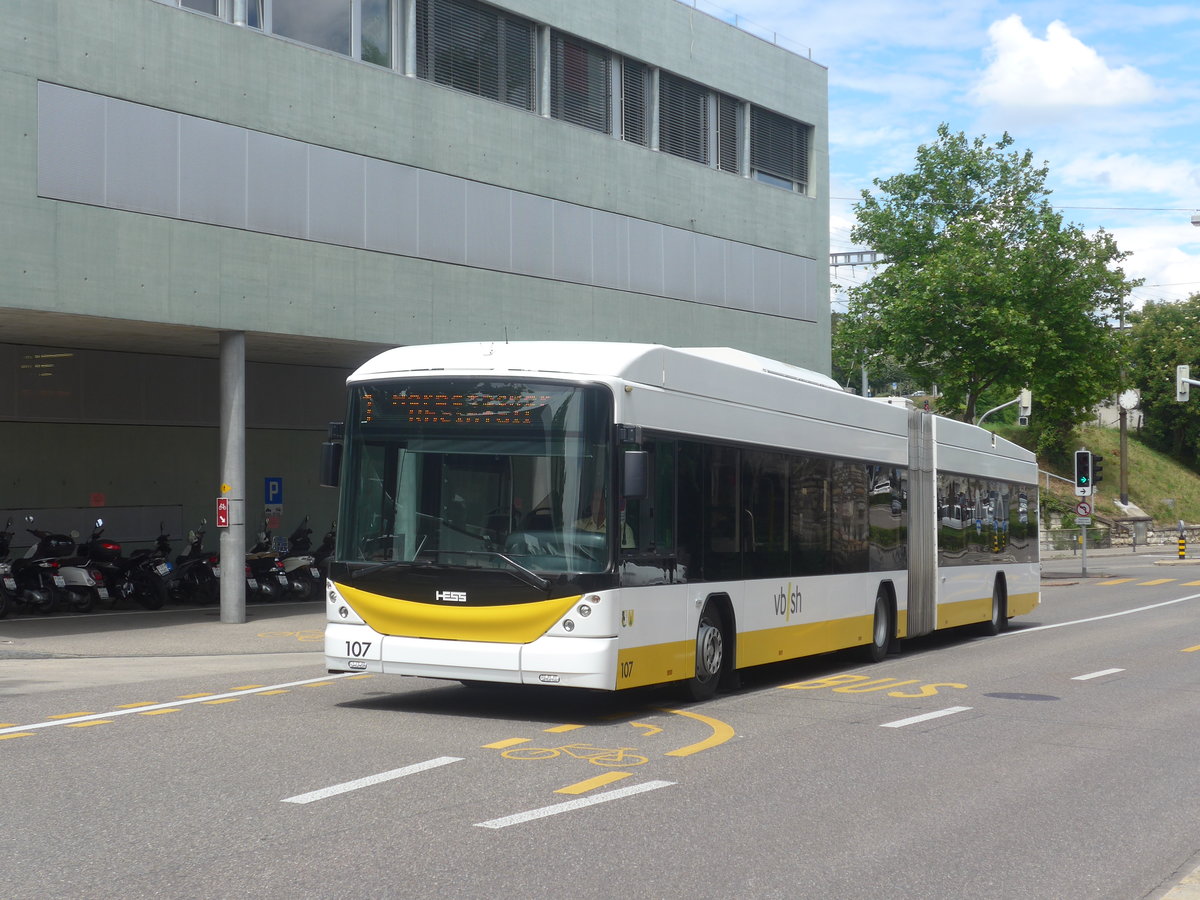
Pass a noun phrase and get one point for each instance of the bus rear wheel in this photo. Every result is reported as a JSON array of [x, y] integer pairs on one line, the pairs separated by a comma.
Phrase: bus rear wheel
[[999, 620], [710, 654], [882, 628]]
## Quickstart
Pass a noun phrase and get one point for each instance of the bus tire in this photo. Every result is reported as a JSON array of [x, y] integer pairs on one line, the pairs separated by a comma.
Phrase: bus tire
[[883, 628], [711, 654], [999, 619]]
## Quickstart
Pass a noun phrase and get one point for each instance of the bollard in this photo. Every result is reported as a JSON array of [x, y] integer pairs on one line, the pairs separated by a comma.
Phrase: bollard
[[1182, 547]]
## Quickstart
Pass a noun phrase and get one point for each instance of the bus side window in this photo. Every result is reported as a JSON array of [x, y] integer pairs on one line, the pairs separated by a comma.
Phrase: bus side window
[[652, 518]]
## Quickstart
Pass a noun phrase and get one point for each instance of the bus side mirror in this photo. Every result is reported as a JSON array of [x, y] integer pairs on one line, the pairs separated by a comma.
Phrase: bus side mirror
[[331, 463], [636, 469]]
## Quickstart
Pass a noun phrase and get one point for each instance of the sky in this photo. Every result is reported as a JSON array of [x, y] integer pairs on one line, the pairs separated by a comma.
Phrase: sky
[[1105, 93]]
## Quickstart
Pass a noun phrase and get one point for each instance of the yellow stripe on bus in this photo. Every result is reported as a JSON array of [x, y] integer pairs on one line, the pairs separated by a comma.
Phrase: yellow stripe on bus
[[515, 623]]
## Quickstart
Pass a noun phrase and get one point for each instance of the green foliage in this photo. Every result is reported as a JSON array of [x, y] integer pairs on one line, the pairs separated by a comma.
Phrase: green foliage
[[1163, 336], [986, 289]]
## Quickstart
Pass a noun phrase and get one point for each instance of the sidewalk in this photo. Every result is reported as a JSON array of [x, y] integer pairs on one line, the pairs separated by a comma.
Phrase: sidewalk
[[274, 628]]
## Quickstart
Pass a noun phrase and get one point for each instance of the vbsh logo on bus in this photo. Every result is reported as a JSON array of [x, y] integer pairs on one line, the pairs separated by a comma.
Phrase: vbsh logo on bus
[[787, 602]]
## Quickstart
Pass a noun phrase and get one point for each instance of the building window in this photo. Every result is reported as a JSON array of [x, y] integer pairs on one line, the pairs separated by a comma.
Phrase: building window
[[478, 49], [318, 23], [779, 149], [376, 42], [683, 118], [729, 114], [635, 87], [580, 86], [204, 6]]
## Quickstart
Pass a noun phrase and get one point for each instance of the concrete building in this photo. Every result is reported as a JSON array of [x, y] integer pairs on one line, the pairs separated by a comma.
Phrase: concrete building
[[275, 190]]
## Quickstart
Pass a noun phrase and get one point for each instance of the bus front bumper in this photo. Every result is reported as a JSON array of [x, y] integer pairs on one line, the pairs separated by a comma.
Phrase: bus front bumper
[[584, 662]]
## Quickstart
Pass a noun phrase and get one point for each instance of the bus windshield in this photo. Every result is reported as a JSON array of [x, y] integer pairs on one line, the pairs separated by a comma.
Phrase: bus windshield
[[477, 473]]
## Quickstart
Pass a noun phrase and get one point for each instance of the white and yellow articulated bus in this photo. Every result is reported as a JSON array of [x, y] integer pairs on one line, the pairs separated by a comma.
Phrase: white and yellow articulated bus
[[608, 515]]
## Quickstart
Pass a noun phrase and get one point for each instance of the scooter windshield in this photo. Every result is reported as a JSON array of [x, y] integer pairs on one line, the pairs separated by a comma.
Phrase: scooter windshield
[[478, 473]]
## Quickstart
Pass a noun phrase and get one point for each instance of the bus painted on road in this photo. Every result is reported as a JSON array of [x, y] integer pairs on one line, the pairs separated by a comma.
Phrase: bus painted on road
[[611, 515]]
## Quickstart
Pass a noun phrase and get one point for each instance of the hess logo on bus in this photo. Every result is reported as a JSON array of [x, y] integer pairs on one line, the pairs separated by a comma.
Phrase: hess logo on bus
[[451, 596]]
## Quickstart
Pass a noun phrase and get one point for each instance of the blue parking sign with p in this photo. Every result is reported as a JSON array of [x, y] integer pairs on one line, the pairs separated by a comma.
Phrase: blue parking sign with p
[[273, 489]]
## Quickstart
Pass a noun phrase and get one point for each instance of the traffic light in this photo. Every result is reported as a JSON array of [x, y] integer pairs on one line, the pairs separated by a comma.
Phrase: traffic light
[[1024, 406], [1083, 473], [1096, 470], [1183, 376]]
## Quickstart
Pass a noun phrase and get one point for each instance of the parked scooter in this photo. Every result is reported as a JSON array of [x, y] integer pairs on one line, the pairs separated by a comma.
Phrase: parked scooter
[[265, 576], [304, 578], [28, 584], [324, 554], [8, 584], [71, 579], [140, 577], [196, 577]]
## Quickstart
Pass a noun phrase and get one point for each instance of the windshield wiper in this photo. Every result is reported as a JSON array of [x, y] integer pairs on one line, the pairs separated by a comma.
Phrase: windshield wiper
[[529, 577]]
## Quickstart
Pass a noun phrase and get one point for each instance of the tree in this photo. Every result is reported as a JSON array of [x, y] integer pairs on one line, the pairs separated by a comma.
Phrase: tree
[[986, 289], [1163, 336]]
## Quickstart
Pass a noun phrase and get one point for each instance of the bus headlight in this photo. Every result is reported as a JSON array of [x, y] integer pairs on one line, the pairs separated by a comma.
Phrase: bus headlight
[[584, 610]]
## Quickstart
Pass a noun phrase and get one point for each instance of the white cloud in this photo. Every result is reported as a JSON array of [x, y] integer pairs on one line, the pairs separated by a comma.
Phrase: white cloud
[[1058, 72], [1134, 173]]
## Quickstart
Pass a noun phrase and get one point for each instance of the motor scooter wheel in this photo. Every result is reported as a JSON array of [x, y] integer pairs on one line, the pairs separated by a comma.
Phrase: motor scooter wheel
[[81, 599], [5, 603], [150, 593]]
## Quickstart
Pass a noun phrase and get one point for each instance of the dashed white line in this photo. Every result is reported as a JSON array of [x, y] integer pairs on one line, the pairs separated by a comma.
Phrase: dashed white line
[[347, 786], [1099, 674], [913, 720], [570, 805]]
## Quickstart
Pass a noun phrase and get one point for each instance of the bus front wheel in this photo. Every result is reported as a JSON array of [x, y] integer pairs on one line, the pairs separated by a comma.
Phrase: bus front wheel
[[710, 654]]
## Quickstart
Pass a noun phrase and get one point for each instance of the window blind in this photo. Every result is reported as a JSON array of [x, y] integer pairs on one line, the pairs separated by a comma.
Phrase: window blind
[[683, 118], [779, 147], [580, 88]]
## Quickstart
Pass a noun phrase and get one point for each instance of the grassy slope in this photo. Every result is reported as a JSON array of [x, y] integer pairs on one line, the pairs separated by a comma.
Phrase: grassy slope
[[1153, 479]]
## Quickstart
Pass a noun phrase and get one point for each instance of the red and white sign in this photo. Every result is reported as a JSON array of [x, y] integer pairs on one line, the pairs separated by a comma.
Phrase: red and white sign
[[222, 512], [1083, 508]]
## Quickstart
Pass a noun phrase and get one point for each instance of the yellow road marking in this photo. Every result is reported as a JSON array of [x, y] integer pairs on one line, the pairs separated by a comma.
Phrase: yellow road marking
[[1117, 581], [194, 696], [222, 700], [319, 684], [157, 712], [272, 693], [582, 787], [1191, 584], [135, 705], [8, 724], [247, 687], [721, 733], [1191, 649], [69, 715], [1155, 581], [5, 737], [356, 677], [511, 742], [650, 729], [559, 729], [89, 724]]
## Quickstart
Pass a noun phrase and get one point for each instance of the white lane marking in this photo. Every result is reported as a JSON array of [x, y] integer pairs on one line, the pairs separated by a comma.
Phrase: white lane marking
[[1128, 612], [569, 805], [926, 717], [1099, 674], [347, 786], [145, 709]]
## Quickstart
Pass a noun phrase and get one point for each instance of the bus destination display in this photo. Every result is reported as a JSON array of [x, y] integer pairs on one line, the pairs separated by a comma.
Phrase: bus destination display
[[471, 408]]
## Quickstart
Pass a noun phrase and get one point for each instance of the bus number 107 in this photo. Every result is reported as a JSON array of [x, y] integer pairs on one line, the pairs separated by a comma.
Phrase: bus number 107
[[357, 648]]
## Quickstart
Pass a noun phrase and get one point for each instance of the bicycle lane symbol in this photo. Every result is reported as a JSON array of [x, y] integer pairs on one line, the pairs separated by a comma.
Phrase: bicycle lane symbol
[[600, 756]]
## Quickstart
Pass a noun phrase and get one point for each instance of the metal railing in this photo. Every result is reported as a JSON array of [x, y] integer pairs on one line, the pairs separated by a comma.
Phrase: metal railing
[[743, 24]]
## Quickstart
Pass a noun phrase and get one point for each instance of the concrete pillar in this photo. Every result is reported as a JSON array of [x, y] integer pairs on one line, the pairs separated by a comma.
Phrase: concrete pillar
[[233, 475]]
